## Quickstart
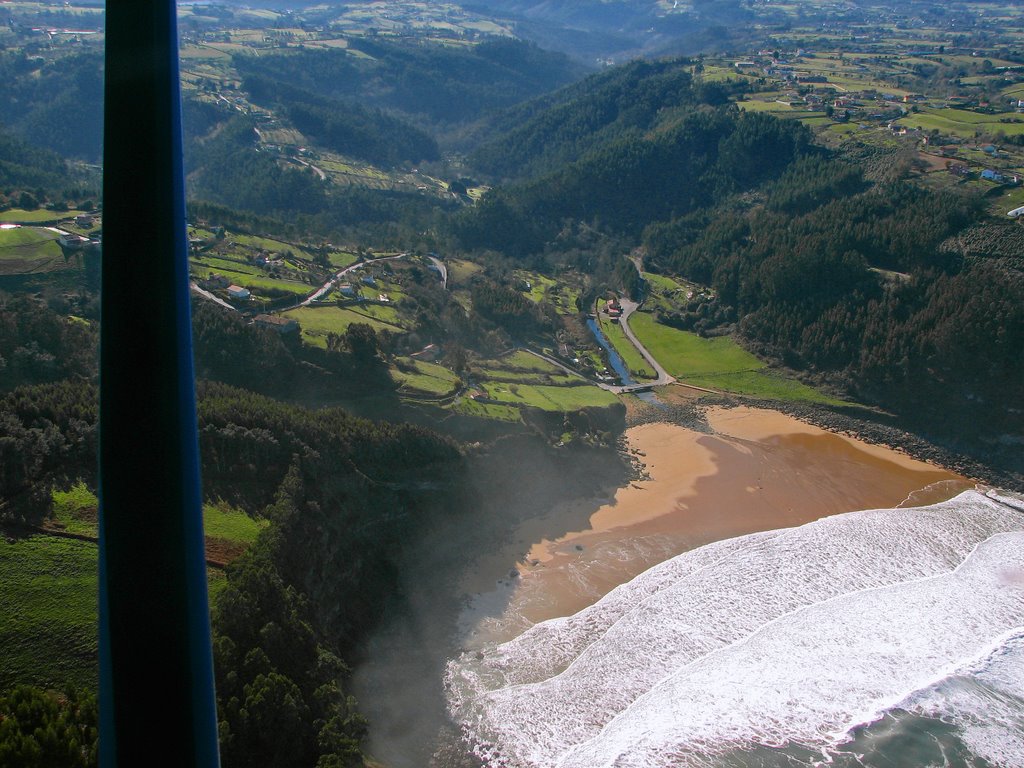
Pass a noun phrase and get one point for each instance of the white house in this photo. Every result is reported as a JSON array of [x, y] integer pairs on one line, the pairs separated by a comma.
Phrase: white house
[[238, 293]]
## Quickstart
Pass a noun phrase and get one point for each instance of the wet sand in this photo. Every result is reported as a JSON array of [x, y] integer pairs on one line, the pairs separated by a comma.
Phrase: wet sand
[[757, 470]]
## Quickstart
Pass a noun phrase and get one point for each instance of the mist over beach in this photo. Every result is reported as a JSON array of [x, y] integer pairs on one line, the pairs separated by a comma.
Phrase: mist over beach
[[703, 502]]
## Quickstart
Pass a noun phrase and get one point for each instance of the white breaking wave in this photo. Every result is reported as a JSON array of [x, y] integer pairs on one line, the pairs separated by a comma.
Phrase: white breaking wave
[[985, 699], [789, 636]]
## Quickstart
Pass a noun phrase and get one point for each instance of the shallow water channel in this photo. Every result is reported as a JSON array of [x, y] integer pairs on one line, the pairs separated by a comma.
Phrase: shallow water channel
[[614, 360]]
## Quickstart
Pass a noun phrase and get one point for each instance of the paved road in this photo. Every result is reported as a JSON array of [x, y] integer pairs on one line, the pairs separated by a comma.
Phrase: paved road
[[442, 269], [628, 308], [207, 295], [337, 277]]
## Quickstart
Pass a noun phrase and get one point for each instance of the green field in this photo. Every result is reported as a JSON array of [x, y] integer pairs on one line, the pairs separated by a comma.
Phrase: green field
[[38, 216], [1007, 202], [521, 360], [265, 243], [630, 355], [718, 363], [486, 410], [961, 122], [222, 521], [75, 511], [28, 243], [247, 275], [317, 322], [666, 293], [48, 612], [378, 313], [30, 250], [342, 259], [429, 378], [549, 398]]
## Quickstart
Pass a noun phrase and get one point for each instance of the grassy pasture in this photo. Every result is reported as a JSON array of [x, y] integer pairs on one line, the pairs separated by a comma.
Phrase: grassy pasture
[[48, 612], [342, 259], [486, 410], [222, 521], [38, 216], [960, 122], [378, 313], [29, 250], [718, 363], [548, 398], [317, 322], [428, 378], [267, 244], [521, 360]]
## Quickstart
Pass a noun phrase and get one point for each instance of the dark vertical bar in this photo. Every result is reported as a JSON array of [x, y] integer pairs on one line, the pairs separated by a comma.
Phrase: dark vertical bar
[[156, 676]]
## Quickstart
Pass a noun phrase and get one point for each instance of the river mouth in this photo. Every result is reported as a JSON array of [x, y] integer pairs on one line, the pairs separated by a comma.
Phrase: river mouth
[[755, 470]]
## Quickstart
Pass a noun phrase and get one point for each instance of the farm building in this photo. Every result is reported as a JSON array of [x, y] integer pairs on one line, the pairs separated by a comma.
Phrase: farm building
[[216, 281], [276, 323], [72, 242], [238, 293], [346, 289]]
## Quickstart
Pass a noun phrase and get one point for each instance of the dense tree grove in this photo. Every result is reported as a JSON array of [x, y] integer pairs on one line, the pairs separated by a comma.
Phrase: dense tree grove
[[536, 136], [26, 166], [39, 345], [45, 729]]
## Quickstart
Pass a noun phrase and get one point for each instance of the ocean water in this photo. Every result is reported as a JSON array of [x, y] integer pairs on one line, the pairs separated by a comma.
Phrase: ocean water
[[879, 638]]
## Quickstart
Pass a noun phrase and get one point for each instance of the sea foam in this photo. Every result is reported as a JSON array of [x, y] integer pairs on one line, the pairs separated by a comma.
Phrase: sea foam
[[789, 636]]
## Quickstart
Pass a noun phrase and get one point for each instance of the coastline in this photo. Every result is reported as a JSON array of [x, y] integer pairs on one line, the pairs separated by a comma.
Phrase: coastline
[[559, 531], [733, 470]]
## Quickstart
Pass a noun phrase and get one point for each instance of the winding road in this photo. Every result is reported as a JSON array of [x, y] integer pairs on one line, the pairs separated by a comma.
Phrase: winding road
[[338, 275], [442, 269]]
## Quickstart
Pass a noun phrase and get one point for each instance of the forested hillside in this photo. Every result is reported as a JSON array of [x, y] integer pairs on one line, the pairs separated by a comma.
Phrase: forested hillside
[[697, 159], [852, 280], [341, 494], [560, 127], [442, 85], [344, 126], [57, 104]]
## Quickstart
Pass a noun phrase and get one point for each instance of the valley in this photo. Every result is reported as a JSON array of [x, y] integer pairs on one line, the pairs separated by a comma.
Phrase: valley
[[499, 307]]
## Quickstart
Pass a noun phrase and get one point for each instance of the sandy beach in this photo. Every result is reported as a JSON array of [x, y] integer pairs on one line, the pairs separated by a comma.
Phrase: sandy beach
[[473, 585], [755, 470]]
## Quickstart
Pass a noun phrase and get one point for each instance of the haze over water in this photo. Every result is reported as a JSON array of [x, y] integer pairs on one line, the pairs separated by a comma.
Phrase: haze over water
[[769, 648]]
